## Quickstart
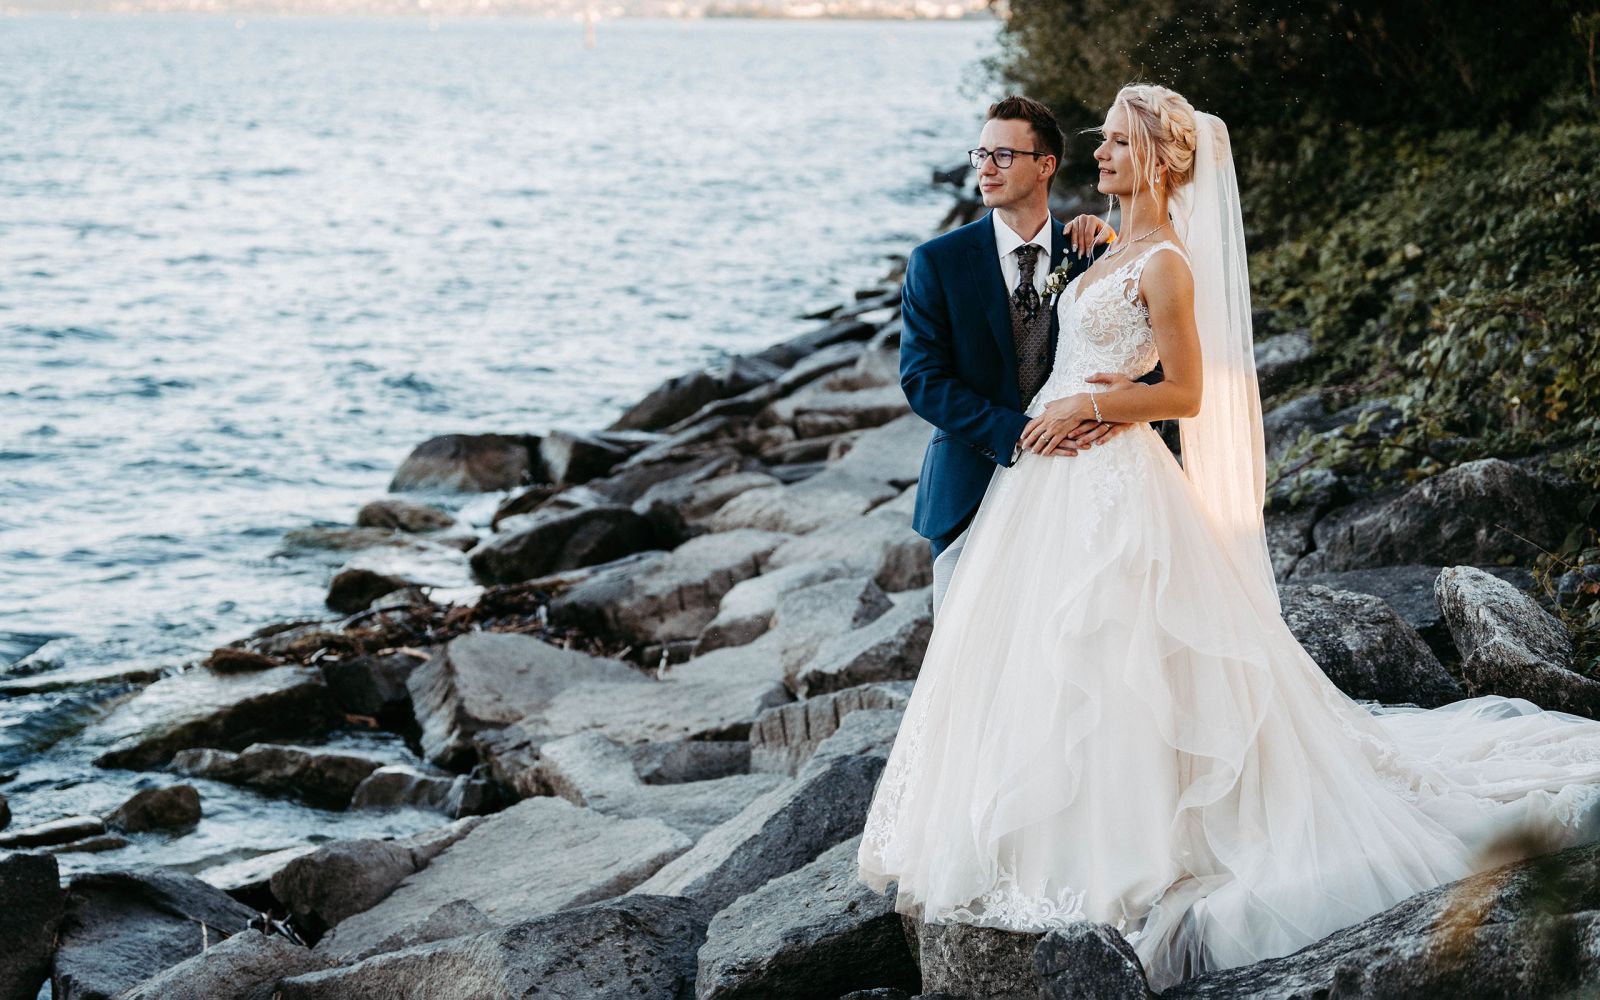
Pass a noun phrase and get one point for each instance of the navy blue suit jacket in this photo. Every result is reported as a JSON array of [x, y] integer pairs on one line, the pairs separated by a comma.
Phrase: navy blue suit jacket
[[958, 366]]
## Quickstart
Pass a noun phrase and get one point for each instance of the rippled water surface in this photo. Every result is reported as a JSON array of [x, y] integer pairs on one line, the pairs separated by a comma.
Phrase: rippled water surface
[[248, 265]]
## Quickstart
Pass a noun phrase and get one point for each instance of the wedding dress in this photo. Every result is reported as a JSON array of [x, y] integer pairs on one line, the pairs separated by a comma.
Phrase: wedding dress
[[1113, 721]]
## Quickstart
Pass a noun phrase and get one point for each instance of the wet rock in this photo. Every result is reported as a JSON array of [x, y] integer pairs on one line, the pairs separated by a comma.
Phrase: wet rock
[[341, 879], [581, 856], [57, 831], [784, 738], [1475, 514], [246, 966], [324, 778], [383, 569], [1088, 961], [231, 660], [777, 833], [395, 514], [889, 648], [121, 928], [1365, 648], [30, 890], [1522, 930], [199, 708], [469, 463], [250, 881], [532, 545], [827, 497], [89, 845], [815, 932], [374, 686], [636, 946], [328, 541], [1510, 646], [157, 809], [672, 597], [5, 813], [397, 786], [681, 509], [590, 769], [577, 458], [486, 680], [1280, 360], [746, 612]]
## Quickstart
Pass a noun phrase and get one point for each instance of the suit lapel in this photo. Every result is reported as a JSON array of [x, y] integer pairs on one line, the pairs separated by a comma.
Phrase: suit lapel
[[1058, 253], [983, 259]]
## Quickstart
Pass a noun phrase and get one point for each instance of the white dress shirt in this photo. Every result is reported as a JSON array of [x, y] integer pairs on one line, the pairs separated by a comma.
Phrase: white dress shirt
[[1006, 241]]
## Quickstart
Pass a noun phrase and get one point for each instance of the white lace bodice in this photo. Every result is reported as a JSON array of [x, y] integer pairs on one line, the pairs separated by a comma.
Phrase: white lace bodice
[[1107, 330]]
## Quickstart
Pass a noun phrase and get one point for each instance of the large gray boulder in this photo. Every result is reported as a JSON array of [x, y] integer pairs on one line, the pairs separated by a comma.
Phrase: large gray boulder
[[338, 880], [324, 778], [1088, 961], [966, 960], [746, 612], [681, 509], [1475, 513], [822, 499], [1365, 648], [880, 544], [642, 946], [31, 903], [891, 454], [1408, 590], [821, 409], [400, 785], [120, 928], [672, 597], [550, 541], [590, 769], [203, 709], [1510, 646], [246, 966], [487, 680], [468, 463], [1523, 930], [777, 833], [56, 831], [784, 738], [815, 932], [889, 648], [539, 856]]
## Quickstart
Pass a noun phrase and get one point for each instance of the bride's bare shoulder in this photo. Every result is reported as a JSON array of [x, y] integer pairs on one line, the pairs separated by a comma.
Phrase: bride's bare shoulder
[[1166, 274]]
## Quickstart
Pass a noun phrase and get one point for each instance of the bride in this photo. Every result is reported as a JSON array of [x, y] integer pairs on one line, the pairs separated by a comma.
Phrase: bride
[[1112, 721]]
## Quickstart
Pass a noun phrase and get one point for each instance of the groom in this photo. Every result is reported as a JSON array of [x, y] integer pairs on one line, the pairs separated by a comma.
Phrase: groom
[[979, 333]]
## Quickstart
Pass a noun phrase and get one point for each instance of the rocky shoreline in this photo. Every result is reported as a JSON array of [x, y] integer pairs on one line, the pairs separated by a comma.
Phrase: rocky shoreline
[[655, 691]]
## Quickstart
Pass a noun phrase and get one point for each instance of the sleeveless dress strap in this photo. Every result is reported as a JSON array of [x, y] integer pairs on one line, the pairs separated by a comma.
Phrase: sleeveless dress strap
[[1130, 287]]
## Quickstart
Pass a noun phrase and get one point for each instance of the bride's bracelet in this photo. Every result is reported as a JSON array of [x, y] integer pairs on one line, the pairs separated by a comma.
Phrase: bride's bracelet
[[1096, 404]]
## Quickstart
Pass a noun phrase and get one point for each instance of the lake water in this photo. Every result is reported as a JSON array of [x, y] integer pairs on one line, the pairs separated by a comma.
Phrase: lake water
[[249, 264]]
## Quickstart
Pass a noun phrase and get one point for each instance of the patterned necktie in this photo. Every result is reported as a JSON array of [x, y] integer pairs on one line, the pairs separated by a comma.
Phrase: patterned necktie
[[1030, 327]]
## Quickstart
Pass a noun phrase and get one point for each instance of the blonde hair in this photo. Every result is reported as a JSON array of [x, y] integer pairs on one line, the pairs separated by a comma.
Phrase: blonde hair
[[1162, 130]]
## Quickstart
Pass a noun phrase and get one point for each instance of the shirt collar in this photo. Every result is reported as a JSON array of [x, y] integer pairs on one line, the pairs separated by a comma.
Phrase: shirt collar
[[1007, 240]]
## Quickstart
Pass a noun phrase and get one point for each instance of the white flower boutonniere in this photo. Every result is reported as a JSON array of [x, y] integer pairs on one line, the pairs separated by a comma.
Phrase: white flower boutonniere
[[1055, 283]]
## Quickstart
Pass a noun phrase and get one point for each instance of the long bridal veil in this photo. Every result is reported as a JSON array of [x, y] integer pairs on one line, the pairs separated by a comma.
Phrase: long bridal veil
[[1224, 448]]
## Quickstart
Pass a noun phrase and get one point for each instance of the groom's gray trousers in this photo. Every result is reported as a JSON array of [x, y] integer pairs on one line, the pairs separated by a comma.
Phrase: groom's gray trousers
[[946, 551]]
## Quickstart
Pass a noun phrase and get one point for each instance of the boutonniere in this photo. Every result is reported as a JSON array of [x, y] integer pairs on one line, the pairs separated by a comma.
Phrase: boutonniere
[[1057, 281]]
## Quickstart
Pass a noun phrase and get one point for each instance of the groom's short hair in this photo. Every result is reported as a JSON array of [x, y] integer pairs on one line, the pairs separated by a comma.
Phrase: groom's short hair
[[1039, 117]]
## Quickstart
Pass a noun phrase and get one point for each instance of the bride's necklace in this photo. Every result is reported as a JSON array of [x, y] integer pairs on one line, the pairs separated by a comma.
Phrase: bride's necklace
[[1121, 246]]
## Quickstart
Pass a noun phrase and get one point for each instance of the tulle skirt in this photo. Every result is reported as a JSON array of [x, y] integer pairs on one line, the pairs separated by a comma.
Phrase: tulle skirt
[[1110, 725]]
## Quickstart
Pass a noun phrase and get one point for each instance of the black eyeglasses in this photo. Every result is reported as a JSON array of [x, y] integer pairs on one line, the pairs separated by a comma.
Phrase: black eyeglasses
[[1002, 156]]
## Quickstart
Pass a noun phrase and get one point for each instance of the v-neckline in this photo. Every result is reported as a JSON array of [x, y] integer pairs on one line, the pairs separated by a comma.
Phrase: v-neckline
[[1080, 293]]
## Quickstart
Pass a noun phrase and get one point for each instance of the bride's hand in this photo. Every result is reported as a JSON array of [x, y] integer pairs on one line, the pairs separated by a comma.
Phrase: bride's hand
[[1060, 417], [1087, 230]]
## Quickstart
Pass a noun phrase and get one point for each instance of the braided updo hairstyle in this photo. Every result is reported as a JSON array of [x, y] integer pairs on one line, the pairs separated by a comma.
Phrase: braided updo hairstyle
[[1161, 130]]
